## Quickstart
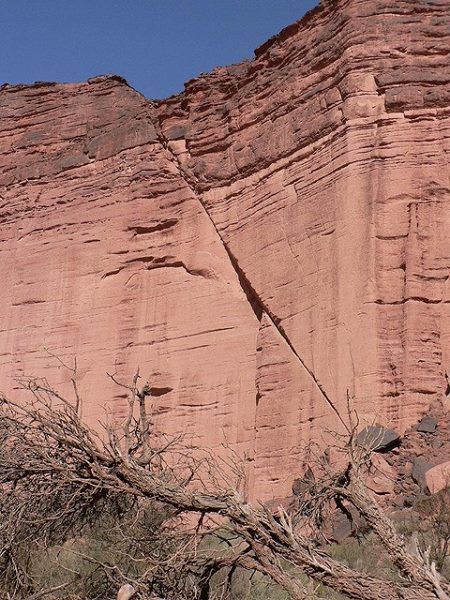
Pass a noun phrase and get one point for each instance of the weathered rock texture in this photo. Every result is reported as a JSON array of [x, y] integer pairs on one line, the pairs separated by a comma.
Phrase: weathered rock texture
[[258, 245]]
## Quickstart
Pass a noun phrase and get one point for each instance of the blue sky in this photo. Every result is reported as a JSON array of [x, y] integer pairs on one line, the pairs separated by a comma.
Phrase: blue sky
[[155, 44]]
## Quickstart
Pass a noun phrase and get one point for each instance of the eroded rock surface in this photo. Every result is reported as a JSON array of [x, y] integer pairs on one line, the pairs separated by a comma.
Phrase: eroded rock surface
[[264, 242]]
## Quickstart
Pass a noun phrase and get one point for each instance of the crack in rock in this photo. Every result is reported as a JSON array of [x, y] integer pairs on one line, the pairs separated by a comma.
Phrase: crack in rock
[[258, 306]]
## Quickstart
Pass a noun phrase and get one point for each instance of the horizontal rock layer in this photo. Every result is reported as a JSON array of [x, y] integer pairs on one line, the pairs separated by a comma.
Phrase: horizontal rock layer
[[263, 245]]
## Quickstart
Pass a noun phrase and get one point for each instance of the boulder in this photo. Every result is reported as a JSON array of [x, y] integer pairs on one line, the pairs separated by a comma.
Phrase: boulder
[[343, 528], [427, 425], [407, 469], [346, 521], [337, 459], [419, 469], [382, 476], [438, 478], [377, 438], [126, 592]]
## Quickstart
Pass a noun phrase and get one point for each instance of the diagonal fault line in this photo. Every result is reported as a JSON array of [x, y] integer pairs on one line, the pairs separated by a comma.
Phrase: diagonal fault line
[[259, 307]]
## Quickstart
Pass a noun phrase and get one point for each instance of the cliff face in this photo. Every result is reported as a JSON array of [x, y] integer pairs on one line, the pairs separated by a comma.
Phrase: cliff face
[[258, 245]]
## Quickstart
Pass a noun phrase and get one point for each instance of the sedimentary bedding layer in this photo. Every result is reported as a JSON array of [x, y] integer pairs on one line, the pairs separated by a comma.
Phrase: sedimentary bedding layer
[[262, 246]]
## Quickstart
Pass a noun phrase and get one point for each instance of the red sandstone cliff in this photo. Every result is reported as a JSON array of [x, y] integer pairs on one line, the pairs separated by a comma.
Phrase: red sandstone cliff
[[273, 236]]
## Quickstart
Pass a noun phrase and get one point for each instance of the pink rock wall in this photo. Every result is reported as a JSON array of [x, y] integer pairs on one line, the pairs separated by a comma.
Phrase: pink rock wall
[[258, 245]]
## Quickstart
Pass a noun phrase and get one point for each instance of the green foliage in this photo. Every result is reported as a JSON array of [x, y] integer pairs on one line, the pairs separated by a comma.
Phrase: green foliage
[[429, 519], [103, 555]]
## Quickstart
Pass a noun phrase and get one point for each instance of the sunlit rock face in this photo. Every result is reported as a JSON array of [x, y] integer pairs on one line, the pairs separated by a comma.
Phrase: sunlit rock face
[[263, 245]]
